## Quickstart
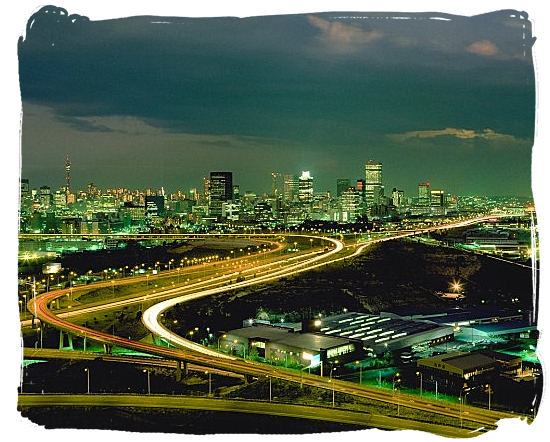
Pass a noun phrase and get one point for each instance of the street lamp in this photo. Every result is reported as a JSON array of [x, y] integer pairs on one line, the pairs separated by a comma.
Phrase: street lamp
[[419, 373], [489, 390], [330, 380], [393, 389], [87, 370], [360, 372], [148, 380]]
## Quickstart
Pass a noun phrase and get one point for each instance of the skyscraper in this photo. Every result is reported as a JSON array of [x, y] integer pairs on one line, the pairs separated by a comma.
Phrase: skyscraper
[[277, 185], [398, 197], [25, 189], [437, 202], [424, 194], [221, 191], [341, 186], [305, 187], [290, 191], [374, 191]]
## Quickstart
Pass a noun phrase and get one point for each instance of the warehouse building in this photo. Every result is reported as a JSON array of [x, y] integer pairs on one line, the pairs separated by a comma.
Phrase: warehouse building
[[379, 334], [284, 345]]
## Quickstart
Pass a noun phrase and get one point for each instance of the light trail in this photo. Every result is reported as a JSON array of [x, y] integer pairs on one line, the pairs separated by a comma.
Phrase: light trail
[[237, 365]]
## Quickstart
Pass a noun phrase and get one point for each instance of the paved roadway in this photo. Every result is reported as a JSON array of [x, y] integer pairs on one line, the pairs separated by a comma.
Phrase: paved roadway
[[241, 406], [50, 353], [151, 295], [224, 362]]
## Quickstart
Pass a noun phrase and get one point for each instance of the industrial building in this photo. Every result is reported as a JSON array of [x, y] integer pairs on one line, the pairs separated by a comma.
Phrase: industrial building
[[379, 334], [473, 325], [455, 369], [284, 345]]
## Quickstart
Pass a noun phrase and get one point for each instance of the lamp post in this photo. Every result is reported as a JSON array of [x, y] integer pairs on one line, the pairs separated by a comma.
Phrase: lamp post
[[148, 380], [393, 389], [269, 377], [330, 380], [87, 370], [489, 390], [419, 373]]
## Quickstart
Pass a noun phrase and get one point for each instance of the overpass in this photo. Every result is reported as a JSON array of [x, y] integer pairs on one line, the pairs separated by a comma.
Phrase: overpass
[[241, 406]]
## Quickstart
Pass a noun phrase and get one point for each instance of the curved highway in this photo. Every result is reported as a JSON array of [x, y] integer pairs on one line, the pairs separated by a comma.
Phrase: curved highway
[[241, 406], [206, 357]]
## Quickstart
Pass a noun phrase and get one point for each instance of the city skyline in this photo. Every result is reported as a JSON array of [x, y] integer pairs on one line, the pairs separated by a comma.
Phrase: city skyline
[[334, 188], [452, 102]]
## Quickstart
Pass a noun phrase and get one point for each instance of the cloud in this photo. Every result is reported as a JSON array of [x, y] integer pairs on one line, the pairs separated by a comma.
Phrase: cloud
[[483, 47], [464, 134], [343, 36]]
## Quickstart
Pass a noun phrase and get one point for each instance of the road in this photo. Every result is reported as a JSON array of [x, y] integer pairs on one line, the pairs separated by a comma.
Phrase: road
[[207, 357], [50, 353], [240, 406]]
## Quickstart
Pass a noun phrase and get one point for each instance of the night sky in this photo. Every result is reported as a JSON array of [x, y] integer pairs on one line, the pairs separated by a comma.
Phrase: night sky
[[162, 101]]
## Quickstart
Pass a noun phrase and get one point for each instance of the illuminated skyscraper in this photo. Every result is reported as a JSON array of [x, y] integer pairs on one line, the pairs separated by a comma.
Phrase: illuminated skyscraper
[[290, 191], [305, 187], [221, 191], [374, 191], [424, 194], [277, 185], [398, 197], [437, 202]]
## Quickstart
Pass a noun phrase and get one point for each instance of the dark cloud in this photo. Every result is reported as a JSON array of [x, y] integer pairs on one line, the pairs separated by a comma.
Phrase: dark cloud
[[308, 87]]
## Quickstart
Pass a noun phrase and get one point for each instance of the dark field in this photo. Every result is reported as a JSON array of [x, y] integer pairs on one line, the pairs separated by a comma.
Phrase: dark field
[[395, 274]]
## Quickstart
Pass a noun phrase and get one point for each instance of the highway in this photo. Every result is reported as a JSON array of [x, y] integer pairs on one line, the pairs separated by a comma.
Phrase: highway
[[150, 361], [196, 354], [240, 406]]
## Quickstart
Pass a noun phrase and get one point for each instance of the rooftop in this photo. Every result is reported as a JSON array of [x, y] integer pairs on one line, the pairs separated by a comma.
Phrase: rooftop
[[463, 361], [312, 341], [268, 332], [372, 329], [285, 336]]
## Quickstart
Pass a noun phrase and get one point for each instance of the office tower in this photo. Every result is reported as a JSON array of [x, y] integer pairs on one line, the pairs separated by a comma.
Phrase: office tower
[[398, 197], [305, 187], [437, 202], [374, 191], [349, 202], [361, 190], [67, 179], [290, 191], [221, 191], [60, 198], [424, 194], [154, 205], [206, 188], [277, 185], [341, 185], [25, 194], [45, 197]]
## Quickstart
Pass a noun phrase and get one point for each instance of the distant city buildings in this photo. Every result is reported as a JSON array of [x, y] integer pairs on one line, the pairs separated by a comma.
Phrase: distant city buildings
[[291, 200]]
